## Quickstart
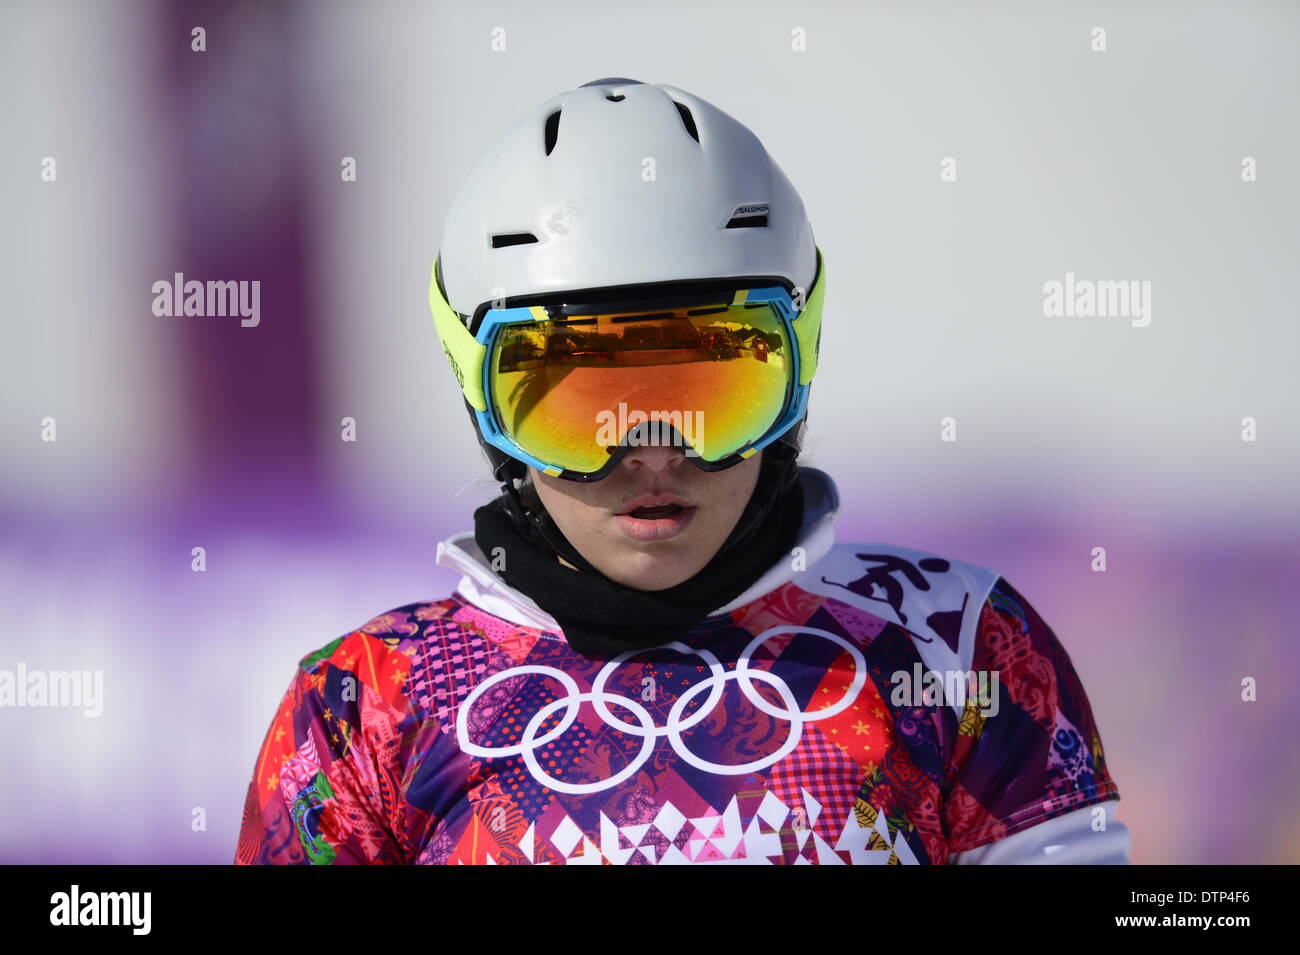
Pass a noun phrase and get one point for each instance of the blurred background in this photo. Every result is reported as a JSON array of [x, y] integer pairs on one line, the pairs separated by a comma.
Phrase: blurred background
[[1073, 433]]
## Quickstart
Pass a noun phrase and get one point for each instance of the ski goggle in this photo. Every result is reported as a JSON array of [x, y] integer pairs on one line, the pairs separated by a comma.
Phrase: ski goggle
[[567, 387]]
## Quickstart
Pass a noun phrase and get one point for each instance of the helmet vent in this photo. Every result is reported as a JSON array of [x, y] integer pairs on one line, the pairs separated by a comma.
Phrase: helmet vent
[[505, 239], [616, 97], [688, 120], [552, 130]]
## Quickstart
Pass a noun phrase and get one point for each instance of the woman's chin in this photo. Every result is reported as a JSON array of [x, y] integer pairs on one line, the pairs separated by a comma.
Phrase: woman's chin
[[651, 570]]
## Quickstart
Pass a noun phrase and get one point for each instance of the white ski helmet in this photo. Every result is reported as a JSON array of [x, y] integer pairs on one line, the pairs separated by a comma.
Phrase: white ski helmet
[[620, 182], [624, 183]]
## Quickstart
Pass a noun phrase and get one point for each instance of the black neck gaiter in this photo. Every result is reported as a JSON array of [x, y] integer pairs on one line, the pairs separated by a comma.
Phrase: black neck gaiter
[[603, 618]]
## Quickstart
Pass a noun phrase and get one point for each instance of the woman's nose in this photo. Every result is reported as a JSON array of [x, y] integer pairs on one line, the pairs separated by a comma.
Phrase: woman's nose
[[658, 452]]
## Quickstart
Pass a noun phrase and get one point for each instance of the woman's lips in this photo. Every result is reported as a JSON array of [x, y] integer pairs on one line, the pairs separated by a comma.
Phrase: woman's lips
[[660, 529]]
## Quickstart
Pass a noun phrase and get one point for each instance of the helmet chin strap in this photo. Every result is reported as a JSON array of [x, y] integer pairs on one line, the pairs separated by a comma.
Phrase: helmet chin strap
[[539, 524], [778, 474]]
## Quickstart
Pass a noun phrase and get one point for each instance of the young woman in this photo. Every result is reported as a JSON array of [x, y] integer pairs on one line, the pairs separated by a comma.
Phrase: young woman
[[657, 651]]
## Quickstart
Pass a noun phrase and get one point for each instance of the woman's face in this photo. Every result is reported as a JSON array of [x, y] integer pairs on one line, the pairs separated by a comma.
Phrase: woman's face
[[651, 552]]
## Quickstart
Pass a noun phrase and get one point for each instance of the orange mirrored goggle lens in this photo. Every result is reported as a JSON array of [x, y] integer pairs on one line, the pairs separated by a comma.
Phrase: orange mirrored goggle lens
[[568, 390]]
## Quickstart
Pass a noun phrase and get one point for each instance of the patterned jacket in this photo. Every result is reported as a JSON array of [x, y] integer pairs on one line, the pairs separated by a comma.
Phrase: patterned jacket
[[859, 704]]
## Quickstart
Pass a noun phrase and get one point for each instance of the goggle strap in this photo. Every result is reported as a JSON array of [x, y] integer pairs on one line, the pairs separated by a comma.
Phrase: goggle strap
[[808, 324], [464, 353]]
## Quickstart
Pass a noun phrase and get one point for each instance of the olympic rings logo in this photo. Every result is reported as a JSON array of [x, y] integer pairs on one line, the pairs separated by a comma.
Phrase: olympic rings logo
[[645, 727]]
